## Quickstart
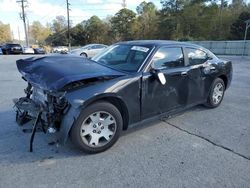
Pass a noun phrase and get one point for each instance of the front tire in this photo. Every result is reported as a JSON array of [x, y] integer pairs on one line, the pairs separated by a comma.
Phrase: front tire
[[84, 55], [216, 94], [97, 128]]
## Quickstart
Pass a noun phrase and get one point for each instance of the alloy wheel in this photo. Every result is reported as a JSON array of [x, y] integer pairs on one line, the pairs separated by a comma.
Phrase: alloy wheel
[[218, 93], [98, 129]]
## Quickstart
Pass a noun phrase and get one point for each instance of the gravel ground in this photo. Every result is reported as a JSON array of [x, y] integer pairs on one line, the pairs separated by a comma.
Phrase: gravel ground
[[198, 148]]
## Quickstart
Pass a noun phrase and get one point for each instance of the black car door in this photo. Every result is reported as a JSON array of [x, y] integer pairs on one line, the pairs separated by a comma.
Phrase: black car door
[[157, 98], [200, 74]]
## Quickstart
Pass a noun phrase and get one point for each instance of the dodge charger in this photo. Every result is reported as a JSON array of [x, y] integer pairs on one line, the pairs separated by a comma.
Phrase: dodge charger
[[91, 101]]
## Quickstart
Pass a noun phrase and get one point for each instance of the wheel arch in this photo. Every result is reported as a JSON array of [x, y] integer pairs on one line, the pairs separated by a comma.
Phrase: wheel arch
[[225, 79], [117, 102], [84, 54]]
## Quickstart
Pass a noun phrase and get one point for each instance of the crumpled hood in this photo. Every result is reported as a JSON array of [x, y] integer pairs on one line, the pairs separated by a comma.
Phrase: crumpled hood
[[54, 72]]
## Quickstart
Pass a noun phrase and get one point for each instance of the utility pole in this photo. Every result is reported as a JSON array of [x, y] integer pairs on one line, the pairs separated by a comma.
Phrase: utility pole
[[23, 17], [220, 17], [245, 36], [12, 35], [28, 30], [18, 34], [67, 1], [222, 2], [124, 4]]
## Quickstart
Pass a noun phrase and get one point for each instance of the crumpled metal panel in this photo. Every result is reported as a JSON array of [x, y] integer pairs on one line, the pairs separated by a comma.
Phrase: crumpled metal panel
[[54, 72]]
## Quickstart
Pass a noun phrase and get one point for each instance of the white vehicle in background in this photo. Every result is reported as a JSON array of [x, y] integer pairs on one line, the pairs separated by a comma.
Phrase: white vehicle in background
[[28, 50], [60, 49], [89, 50]]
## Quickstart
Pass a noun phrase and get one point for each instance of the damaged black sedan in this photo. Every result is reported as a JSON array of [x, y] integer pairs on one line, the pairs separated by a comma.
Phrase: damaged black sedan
[[92, 101]]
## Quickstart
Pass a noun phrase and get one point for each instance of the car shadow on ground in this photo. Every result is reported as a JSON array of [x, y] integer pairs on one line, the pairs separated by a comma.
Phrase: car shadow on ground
[[14, 143], [150, 123]]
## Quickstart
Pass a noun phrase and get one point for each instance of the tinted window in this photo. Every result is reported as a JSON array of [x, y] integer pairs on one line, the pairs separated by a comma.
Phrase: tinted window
[[86, 47], [196, 56], [100, 46], [124, 57], [168, 58], [14, 45]]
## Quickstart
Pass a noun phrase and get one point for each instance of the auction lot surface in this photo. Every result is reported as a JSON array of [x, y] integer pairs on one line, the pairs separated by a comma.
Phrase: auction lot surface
[[198, 148]]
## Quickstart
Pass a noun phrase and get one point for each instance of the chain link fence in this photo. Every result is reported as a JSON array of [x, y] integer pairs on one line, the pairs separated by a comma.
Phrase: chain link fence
[[240, 47]]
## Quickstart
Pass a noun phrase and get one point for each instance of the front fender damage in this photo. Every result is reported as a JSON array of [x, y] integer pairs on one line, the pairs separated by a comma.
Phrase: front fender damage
[[67, 122]]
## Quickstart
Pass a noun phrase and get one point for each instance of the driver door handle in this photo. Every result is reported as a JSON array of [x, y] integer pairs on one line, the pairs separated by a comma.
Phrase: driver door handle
[[184, 73]]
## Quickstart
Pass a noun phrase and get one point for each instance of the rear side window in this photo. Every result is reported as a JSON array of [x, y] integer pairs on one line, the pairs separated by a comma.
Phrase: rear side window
[[196, 56], [100, 46], [167, 57], [93, 47]]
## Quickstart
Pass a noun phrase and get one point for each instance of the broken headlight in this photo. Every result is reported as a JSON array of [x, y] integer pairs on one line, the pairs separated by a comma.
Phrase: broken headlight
[[39, 96]]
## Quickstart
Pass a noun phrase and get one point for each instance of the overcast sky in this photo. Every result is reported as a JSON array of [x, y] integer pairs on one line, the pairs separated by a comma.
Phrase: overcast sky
[[46, 10]]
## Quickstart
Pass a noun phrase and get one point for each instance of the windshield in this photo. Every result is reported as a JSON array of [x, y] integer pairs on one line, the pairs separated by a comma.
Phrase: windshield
[[14, 45], [123, 57], [86, 47]]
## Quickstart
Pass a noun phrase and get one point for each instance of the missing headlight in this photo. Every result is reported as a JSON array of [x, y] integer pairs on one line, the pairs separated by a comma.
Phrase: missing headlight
[[39, 96]]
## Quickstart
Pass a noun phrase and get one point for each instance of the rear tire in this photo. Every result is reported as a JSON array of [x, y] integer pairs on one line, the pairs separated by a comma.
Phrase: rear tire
[[97, 128], [216, 93]]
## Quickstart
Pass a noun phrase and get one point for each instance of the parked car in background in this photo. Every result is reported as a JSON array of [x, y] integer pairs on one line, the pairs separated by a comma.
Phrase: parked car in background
[[1, 52], [39, 51], [92, 101], [28, 50], [60, 49], [10, 48], [89, 50]]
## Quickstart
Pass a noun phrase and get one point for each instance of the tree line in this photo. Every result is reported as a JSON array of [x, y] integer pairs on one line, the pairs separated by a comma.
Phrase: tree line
[[176, 20], [5, 33]]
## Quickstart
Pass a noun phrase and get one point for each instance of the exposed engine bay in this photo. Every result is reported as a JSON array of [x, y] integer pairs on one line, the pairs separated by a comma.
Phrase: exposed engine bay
[[42, 108]]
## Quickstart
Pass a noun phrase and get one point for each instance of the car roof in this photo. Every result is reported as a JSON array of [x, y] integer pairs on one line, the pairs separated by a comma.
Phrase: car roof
[[12, 44], [158, 43], [94, 44]]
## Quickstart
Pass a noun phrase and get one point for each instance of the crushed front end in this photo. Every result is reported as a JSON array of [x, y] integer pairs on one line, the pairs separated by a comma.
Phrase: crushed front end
[[54, 82], [44, 109]]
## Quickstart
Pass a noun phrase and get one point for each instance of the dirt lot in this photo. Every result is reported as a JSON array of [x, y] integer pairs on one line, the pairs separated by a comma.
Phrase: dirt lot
[[199, 148]]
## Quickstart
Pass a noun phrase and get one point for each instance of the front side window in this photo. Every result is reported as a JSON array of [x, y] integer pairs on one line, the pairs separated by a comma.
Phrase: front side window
[[196, 56], [86, 47], [167, 57], [123, 57]]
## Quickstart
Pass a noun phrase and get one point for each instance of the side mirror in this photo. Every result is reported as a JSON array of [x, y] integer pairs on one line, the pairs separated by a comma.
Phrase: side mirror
[[160, 76], [209, 58]]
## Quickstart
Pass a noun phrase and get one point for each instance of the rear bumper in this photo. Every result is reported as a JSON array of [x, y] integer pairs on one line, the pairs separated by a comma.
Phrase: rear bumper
[[15, 51]]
